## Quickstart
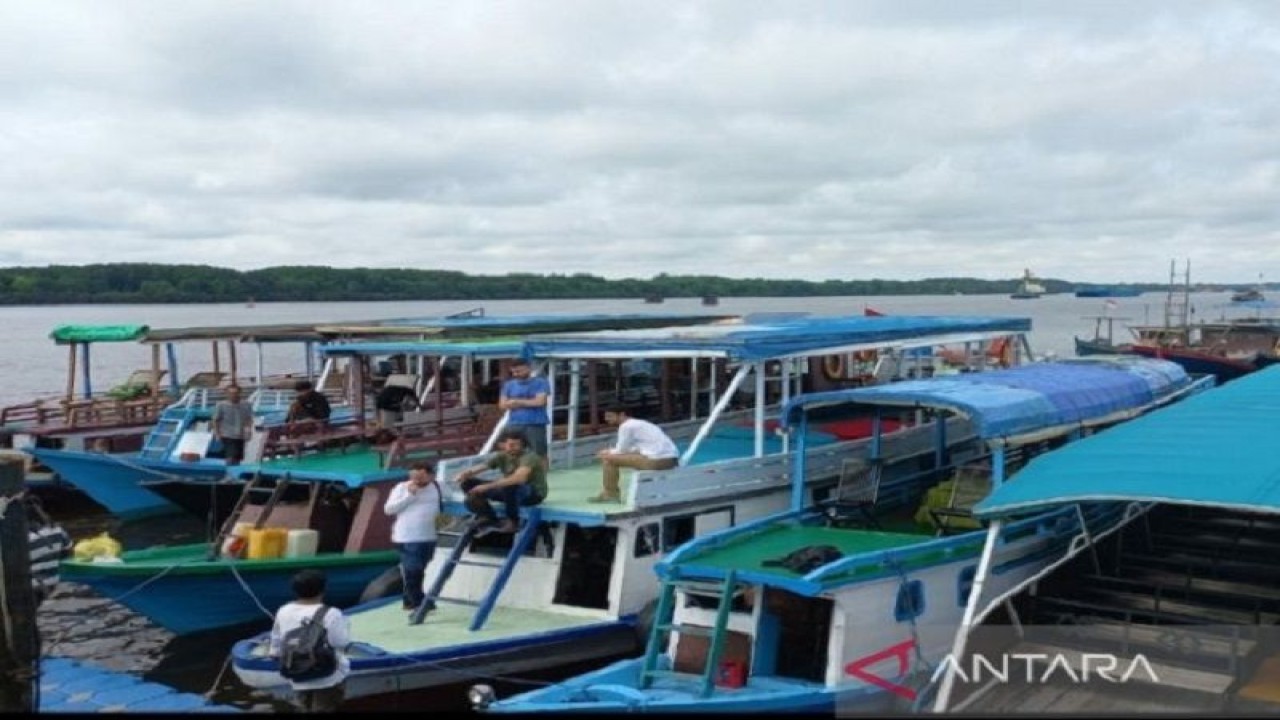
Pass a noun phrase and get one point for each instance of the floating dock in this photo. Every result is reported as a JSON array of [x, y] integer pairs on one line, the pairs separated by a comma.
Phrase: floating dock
[[68, 685]]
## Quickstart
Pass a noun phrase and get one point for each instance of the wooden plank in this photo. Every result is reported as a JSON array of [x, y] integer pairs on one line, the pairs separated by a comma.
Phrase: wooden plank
[[1185, 608], [1153, 635]]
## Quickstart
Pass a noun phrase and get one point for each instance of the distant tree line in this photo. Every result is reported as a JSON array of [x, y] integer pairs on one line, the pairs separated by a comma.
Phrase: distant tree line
[[155, 283]]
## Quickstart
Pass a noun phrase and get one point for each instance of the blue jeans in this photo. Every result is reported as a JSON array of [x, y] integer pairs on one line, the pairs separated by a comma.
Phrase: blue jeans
[[414, 558], [512, 497]]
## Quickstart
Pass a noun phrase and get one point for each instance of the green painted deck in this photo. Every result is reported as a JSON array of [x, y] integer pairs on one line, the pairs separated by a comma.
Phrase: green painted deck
[[388, 627], [363, 459], [750, 552], [569, 490]]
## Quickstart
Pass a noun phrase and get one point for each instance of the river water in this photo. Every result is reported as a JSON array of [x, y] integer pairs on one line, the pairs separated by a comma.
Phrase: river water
[[75, 622]]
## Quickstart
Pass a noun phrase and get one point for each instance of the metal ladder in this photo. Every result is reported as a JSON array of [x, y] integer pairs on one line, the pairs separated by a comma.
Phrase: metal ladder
[[662, 625], [250, 488], [523, 540]]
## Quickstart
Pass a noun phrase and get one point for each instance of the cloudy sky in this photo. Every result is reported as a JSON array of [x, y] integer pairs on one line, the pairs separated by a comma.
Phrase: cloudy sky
[[1088, 141]]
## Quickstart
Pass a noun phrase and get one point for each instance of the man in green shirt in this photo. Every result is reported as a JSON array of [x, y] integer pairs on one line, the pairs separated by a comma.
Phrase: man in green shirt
[[523, 483]]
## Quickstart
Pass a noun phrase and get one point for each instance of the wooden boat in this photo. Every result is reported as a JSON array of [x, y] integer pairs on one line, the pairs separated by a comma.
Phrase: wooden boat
[[1101, 343], [1188, 583], [196, 587], [836, 605], [178, 446], [574, 581]]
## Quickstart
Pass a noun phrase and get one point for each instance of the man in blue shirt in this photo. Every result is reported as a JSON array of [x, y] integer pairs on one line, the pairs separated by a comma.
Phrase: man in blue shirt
[[525, 397]]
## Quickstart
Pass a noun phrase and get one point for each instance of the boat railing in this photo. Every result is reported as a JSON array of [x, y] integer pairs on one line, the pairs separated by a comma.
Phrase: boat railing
[[579, 450], [655, 488]]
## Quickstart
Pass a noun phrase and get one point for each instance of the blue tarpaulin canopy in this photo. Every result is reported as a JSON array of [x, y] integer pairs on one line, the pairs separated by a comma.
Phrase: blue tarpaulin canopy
[[1215, 449], [1024, 399], [769, 339]]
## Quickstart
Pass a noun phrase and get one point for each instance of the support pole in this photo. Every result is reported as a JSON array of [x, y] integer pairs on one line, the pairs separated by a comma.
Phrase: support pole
[[970, 610], [705, 429], [18, 656]]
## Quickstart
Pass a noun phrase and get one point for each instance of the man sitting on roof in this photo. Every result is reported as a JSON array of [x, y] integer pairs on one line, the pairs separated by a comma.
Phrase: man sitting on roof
[[523, 482], [641, 445]]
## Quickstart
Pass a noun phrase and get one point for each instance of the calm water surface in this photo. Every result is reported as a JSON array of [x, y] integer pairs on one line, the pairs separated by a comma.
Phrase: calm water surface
[[77, 623]]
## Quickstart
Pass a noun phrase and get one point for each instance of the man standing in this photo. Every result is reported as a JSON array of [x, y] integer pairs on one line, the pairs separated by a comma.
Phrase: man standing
[[233, 424], [323, 694], [523, 483], [525, 397], [641, 445], [415, 503]]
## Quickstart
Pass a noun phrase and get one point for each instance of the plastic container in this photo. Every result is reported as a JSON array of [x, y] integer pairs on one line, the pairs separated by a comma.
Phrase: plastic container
[[301, 543], [732, 674], [267, 543]]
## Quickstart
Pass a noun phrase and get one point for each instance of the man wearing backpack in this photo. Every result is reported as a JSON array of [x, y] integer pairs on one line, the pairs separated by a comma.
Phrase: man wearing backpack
[[305, 656]]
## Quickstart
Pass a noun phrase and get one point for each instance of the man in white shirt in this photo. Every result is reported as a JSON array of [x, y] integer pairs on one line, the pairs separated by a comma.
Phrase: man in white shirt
[[415, 503], [321, 694], [641, 445]]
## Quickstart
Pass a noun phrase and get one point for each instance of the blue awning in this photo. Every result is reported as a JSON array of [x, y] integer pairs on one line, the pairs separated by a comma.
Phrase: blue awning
[[1215, 449], [1024, 399], [769, 339]]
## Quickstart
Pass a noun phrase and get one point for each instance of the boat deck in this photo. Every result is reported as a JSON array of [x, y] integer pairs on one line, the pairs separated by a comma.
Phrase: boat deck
[[387, 627], [751, 552]]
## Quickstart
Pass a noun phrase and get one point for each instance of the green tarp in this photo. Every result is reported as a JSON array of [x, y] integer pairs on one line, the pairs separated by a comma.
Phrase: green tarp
[[64, 334]]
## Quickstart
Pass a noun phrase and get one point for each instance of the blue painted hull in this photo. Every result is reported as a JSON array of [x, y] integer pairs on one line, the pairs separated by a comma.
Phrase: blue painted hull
[[377, 672], [196, 595], [112, 480], [614, 689]]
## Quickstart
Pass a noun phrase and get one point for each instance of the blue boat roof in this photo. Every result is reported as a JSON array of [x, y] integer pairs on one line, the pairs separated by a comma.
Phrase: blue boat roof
[[478, 348], [770, 338], [1215, 449], [1024, 399]]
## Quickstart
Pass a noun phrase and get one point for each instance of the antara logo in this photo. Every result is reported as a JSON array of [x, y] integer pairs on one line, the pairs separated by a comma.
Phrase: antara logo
[[1089, 665], [1104, 666]]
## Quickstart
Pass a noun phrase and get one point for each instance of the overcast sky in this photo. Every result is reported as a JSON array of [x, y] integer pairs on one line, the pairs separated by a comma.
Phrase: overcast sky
[[1088, 141]]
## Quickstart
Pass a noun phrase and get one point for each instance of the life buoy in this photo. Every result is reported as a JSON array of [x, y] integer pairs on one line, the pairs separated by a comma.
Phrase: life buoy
[[865, 356], [833, 367]]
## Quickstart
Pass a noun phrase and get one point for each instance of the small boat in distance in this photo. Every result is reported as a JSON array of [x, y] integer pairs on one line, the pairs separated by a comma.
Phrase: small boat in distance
[[1030, 287], [1101, 343], [1106, 291], [710, 300], [654, 298], [1249, 295]]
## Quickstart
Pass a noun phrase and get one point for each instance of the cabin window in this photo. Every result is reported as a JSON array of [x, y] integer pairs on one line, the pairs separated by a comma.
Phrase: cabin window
[[586, 567], [964, 584], [679, 529], [910, 603], [647, 540]]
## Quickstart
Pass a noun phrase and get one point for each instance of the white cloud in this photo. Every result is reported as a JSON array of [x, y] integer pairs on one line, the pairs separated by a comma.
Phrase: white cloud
[[1088, 141]]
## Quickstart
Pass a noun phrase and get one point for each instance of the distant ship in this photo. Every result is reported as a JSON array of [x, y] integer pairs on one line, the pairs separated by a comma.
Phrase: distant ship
[[1105, 291], [1029, 288]]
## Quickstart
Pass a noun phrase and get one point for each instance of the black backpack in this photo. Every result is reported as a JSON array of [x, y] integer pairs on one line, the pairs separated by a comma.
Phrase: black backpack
[[806, 559], [305, 652]]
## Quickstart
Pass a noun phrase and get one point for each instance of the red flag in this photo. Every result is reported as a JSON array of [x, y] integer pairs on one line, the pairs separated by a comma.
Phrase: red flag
[[870, 312]]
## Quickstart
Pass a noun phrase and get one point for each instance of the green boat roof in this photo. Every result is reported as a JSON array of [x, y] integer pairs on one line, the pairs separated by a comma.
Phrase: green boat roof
[[66, 334]]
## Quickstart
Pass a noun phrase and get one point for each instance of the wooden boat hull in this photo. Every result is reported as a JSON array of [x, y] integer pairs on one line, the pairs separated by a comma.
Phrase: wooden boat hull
[[185, 593], [1199, 363], [376, 672], [111, 480]]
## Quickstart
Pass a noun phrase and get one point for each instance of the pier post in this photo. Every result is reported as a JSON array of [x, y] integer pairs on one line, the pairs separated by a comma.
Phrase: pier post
[[19, 642]]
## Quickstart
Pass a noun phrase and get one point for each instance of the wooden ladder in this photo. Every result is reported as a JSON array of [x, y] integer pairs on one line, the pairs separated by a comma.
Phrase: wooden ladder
[[250, 487]]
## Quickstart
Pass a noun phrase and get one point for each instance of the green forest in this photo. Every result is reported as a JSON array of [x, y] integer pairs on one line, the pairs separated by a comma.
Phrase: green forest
[[156, 283]]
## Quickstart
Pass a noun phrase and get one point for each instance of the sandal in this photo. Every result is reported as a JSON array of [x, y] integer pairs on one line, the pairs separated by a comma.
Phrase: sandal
[[602, 498]]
